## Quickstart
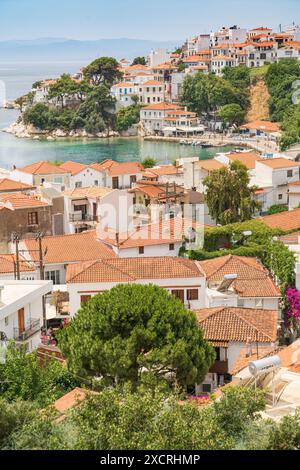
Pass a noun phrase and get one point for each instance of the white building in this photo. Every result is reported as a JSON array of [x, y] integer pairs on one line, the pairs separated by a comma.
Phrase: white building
[[8, 268], [60, 251], [230, 331], [21, 307], [179, 276], [196, 171], [123, 93], [236, 281], [152, 91], [159, 56], [152, 116]]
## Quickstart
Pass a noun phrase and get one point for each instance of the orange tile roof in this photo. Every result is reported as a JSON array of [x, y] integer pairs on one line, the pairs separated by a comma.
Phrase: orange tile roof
[[193, 58], [248, 159], [115, 168], [280, 163], [71, 248], [286, 221], [91, 191], [164, 170], [73, 167], [123, 85], [222, 57], [258, 352], [291, 238], [210, 165], [242, 325], [15, 201], [265, 126], [162, 106], [152, 82], [159, 233], [132, 269], [164, 66], [8, 264], [261, 28], [253, 278], [42, 168], [9, 185], [70, 400]]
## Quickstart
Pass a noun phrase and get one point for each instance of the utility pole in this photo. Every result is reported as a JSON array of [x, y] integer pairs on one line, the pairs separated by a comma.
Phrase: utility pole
[[16, 240]]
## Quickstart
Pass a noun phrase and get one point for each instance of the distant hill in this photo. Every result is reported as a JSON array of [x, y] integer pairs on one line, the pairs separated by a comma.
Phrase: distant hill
[[54, 49]]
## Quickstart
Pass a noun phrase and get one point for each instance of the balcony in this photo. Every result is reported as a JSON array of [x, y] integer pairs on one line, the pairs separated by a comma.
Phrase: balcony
[[32, 327], [80, 217]]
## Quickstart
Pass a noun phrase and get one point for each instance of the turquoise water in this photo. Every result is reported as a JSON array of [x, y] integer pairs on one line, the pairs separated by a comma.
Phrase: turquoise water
[[21, 152], [18, 79]]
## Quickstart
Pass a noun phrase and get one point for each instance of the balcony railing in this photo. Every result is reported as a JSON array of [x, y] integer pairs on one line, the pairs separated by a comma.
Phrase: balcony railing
[[32, 327], [80, 217], [219, 367]]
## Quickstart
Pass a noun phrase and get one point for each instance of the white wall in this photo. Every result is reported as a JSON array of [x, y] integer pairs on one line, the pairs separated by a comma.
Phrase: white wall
[[150, 251], [77, 290], [88, 177], [22, 177]]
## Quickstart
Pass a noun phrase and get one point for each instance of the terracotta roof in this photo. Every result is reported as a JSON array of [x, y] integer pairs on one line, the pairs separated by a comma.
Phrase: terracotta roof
[[245, 358], [115, 168], [8, 264], [261, 28], [73, 167], [280, 163], [248, 159], [289, 220], [210, 165], [9, 185], [160, 233], [123, 85], [253, 278], [164, 66], [19, 200], [265, 126], [71, 248], [70, 400], [242, 325], [91, 191], [193, 58], [132, 269], [222, 57], [162, 106], [42, 168], [153, 82], [291, 238]]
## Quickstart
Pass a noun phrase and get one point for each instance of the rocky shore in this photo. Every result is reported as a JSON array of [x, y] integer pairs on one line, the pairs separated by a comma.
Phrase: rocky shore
[[22, 131]]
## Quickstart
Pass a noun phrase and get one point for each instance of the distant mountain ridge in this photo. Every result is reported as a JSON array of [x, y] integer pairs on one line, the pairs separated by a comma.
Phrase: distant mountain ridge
[[71, 49]]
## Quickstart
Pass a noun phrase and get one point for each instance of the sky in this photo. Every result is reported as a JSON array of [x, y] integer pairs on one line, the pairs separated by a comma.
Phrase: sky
[[139, 19]]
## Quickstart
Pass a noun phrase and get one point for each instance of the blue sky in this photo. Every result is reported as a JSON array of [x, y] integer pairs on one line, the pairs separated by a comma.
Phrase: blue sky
[[143, 19]]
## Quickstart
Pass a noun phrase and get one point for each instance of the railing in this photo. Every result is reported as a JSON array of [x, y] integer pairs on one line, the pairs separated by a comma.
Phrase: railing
[[32, 327], [83, 217]]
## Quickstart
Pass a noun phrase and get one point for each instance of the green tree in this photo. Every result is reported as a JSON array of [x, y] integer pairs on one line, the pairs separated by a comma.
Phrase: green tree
[[127, 117], [64, 88], [98, 110], [229, 197], [281, 262], [205, 94], [13, 416], [139, 61], [22, 377], [277, 209], [232, 114], [131, 329], [103, 70], [149, 162], [286, 435]]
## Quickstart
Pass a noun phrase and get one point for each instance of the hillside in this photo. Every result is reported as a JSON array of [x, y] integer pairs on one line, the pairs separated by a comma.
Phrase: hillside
[[259, 97]]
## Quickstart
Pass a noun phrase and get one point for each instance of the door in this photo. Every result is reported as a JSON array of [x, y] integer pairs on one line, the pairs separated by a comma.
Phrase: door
[[21, 320]]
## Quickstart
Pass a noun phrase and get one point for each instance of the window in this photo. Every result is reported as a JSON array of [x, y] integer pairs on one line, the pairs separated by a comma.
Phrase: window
[[193, 294], [84, 299], [179, 294], [280, 197], [290, 173], [96, 183], [32, 218], [58, 179], [141, 250], [207, 388], [115, 182], [53, 276], [240, 303], [171, 247], [78, 184], [132, 179], [6, 321]]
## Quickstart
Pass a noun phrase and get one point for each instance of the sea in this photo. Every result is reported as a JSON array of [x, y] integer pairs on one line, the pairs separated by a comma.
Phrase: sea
[[16, 80]]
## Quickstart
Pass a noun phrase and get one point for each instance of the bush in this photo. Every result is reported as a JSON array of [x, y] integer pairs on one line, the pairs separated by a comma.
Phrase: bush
[[277, 209]]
